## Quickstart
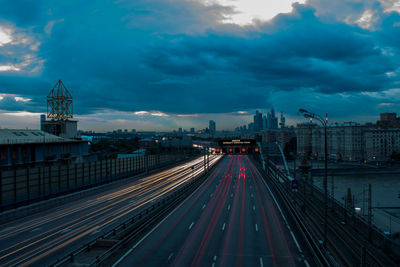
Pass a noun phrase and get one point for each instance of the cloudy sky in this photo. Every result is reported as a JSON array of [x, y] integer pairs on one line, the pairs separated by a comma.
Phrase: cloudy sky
[[164, 64]]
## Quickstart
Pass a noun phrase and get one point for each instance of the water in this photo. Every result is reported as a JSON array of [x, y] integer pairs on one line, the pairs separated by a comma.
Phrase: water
[[385, 188], [385, 191]]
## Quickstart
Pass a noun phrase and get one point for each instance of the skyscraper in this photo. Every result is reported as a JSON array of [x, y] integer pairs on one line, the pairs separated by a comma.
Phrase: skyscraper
[[265, 122], [258, 123], [272, 121], [283, 121], [212, 127]]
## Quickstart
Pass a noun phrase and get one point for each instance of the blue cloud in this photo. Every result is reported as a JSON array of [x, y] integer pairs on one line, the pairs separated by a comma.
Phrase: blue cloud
[[175, 56]]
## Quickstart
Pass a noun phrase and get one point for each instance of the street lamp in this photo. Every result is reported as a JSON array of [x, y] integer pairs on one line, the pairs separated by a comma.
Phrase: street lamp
[[324, 123]]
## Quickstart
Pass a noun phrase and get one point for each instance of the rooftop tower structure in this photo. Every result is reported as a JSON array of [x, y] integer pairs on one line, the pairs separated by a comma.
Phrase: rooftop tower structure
[[59, 110], [59, 102]]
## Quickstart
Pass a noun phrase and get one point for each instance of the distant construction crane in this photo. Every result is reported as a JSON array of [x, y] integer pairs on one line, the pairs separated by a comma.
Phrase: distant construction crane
[[59, 103]]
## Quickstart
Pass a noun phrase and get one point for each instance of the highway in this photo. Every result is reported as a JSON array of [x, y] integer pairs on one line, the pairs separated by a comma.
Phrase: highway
[[40, 239], [232, 219]]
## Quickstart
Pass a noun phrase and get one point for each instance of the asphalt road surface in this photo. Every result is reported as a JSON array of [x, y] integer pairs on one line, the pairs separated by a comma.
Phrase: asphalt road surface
[[42, 238], [230, 220]]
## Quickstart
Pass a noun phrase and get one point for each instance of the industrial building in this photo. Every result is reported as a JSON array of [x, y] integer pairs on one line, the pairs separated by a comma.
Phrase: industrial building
[[57, 139], [18, 147]]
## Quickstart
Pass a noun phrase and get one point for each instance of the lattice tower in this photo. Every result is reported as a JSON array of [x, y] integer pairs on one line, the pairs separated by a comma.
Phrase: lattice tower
[[59, 102]]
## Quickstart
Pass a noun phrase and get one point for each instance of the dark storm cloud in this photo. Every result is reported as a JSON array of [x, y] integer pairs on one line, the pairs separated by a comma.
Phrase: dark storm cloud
[[22, 12], [306, 53], [174, 56]]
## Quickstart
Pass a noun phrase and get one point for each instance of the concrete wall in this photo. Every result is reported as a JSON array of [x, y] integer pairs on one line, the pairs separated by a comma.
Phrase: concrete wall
[[23, 185]]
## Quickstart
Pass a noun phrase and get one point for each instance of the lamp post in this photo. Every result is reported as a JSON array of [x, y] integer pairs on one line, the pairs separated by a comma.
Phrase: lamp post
[[324, 123]]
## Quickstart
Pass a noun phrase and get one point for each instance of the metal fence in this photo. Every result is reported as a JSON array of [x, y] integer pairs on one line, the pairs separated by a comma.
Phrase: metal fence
[[310, 193], [21, 186]]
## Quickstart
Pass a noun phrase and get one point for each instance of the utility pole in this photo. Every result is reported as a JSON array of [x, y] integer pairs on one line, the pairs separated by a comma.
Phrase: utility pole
[[204, 161], [369, 213], [325, 183], [324, 122], [363, 207], [208, 158], [332, 191]]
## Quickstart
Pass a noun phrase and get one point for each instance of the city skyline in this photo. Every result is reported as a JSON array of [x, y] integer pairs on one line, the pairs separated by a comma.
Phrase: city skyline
[[148, 65]]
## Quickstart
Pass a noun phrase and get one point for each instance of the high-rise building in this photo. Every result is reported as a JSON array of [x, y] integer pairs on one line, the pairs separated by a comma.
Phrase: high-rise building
[[212, 127], [283, 121], [250, 127], [272, 121], [348, 141], [264, 122], [192, 130], [258, 123], [388, 120], [305, 138]]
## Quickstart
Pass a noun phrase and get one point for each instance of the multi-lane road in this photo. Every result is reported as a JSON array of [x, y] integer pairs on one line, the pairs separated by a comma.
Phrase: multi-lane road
[[232, 219], [41, 238]]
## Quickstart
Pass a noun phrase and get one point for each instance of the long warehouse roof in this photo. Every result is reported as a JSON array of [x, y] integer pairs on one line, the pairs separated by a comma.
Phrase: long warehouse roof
[[23, 136]]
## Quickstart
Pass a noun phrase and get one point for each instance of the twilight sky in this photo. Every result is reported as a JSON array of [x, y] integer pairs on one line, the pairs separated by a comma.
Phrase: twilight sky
[[164, 64]]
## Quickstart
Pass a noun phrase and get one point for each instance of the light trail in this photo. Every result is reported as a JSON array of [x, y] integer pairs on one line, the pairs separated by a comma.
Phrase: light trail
[[88, 215]]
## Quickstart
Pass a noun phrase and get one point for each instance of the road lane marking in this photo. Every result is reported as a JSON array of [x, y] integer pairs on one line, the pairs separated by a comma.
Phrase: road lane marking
[[273, 197], [215, 258], [229, 206], [170, 256], [306, 263], [232, 195], [261, 262], [212, 265], [254, 207], [256, 228], [223, 227], [190, 227], [66, 230], [9, 228], [252, 195], [95, 232], [149, 233], [36, 229], [283, 216], [295, 241], [203, 206], [211, 195]]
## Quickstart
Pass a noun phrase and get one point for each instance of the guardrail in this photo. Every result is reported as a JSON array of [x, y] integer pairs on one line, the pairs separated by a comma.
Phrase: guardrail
[[345, 227], [301, 228]]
